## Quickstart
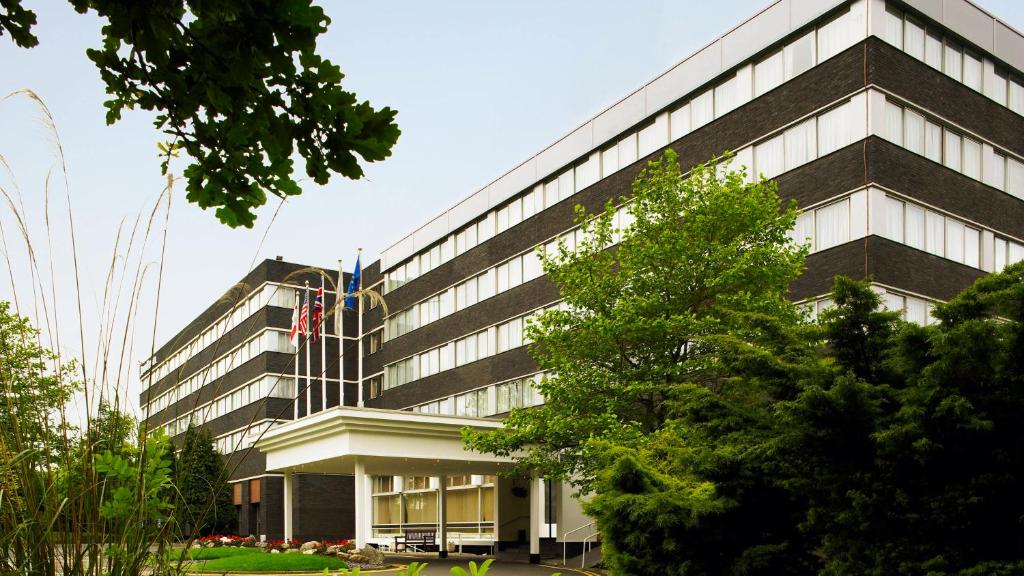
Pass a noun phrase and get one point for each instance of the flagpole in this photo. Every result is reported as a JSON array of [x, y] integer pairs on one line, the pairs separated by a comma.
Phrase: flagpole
[[309, 403], [323, 345], [359, 360], [339, 306], [295, 397]]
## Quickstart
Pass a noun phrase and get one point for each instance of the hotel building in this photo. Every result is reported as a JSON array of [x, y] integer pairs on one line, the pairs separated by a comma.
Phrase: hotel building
[[898, 127]]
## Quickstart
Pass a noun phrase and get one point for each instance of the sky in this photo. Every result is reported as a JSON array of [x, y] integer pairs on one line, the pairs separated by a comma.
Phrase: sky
[[479, 87]]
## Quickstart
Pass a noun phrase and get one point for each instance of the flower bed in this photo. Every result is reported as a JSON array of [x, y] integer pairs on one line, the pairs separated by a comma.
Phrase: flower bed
[[343, 549]]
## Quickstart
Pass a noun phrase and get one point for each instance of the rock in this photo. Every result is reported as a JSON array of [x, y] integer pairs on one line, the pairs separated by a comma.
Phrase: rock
[[292, 551], [275, 551], [343, 554], [311, 545], [309, 551], [333, 549], [211, 544], [196, 545], [372, 555]]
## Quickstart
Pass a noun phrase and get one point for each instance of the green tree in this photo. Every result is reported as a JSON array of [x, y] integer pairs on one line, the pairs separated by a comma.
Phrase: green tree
[[239, 86], [112, 430], [909, 454], [661, 367], [34, 387], [205, 505]]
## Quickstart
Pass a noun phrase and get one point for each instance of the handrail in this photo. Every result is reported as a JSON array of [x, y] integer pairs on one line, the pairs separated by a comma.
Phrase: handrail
[[586, 547], [565, 540]]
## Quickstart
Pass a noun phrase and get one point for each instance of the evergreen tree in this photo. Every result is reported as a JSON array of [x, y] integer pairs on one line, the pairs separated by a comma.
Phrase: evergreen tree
[[205, 504]]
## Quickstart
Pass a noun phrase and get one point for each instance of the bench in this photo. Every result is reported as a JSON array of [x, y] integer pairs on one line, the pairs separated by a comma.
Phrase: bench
[[415, 538]]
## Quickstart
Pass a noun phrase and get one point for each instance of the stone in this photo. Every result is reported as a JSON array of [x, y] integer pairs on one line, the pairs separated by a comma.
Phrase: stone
[[292, 551], [196, 545], [372, 555], [308, 551], [311, 545], [275, 551]]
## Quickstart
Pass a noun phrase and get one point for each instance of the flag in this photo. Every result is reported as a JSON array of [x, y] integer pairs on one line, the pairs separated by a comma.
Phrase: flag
[[353, 286], [304, 316], [293, 337], [318, 312]]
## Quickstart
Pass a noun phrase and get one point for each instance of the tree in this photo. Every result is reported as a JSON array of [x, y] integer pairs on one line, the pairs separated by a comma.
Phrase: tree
[[111, 430], [205, 504], [34, 387], [661, 367], [239, 86], [909, 454]]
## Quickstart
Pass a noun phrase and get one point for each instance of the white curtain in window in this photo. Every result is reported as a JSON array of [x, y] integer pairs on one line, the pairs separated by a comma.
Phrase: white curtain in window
[[933, 142], [972, 247], [834, 129], [768, 73], [952, 150], [800, 144], [933, 51], [917, 311], [627, 150], [835, 36], [679, 122], [702, 109], [1016, 97], [996, 177], [953, 63], [725, 97], [769, 157], [609, 161], [803, 232], [972, 71], [954, 240], [935, 233], [832, 225], [892, 130], [913, 131], [893, 219], [913, 38], [914, 234], [892, 32], [972, 158], [893, 302], [1015, 177], [798, 56]]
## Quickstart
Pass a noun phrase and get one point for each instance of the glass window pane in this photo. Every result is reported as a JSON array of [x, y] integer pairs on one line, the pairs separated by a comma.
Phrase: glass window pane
[[935, 233], [972, 159], [893, 219], [933, 51], [769, 157], [702, 109], [933, 141], [953, 63], [954, 240], [832, 225], [892, 130], [913, 131], [951, 152], [972, 71], [914, 228], [892, 31], [768, 73], [679, 122], [801, 144], [799, 55], [972, 247], [913, 38]]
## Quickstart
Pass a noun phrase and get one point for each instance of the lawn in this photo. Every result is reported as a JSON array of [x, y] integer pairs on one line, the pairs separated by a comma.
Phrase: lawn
[[221, 560], [212, 553]]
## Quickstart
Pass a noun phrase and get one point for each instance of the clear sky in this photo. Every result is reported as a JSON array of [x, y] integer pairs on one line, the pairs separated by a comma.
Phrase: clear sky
[[479, 87]]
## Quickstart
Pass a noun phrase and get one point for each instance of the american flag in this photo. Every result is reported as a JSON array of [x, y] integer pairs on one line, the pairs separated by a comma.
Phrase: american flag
[[304, 316], [318, 313]]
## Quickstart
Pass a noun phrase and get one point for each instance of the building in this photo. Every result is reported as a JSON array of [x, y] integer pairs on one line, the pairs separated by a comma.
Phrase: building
[[898, 127]]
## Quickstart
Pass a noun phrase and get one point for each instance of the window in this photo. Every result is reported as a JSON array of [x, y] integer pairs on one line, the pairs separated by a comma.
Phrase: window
[[953, 63], [892, 31], [768, 73], [801, 144], [798, 56], [894, 219], [1015, 177], [933, 50], [770, 157], [913, 38], [610, 160], [935, 237], [835, 129], [1016, 96], [726, 97], [933, 141], [832, 224], [972, 71], [702, 110], [835, 36], [914, 131], [914, 233], [951, 150], [972, 159], [679, 122], [893, 128]]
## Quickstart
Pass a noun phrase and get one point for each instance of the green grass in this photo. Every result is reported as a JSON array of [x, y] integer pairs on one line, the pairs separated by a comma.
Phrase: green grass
[[212, 553], [252, 560]]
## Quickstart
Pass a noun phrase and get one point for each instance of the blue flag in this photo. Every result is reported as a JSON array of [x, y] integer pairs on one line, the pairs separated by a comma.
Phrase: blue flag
[[353, 286]]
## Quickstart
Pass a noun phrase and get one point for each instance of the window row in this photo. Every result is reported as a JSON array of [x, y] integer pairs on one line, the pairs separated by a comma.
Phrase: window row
[[747, 82], [834, 128], [268, 386], [921, 135], [927, 43], [500, 338], [240, 439], [488, 401], [269, 295], [932, 232], [911, 308], [808, 140], [268, 341]]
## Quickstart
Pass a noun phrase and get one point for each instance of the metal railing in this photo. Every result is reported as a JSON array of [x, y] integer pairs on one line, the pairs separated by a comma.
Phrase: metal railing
[[565, 539], [586, 547]]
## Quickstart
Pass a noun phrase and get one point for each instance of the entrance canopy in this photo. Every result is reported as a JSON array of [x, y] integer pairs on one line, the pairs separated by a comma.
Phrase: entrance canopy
[[383, 442]]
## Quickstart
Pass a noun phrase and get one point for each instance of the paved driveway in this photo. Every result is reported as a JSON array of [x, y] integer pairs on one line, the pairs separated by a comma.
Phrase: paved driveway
[[438, 567]]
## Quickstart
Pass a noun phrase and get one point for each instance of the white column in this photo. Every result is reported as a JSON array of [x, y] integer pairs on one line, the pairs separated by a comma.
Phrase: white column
[[363, 518], [442, 544], [536, 516], [288, 483]]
